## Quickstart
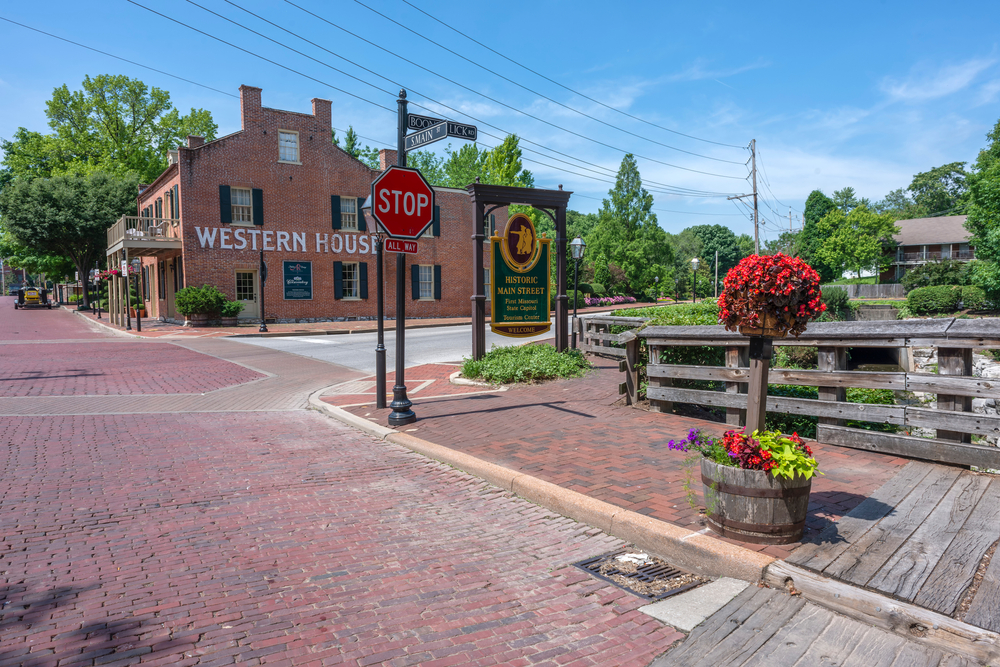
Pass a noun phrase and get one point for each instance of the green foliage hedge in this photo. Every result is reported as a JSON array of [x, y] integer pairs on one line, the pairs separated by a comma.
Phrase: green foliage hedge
[[973, 297], [232, 308], [930, 300], [206, 299], [706, 312], [935, 274], [586, 289], [836, 300], [526, 363]]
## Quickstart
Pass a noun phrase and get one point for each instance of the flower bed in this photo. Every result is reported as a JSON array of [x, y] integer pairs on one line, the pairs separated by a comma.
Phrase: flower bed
[[608, 300]]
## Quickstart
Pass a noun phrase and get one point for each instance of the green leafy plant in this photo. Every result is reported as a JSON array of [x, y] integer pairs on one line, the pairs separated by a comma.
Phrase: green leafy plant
[[526, 363], [836, 301], [206, 300], [232, 308], [973, 297], [937, 299], [770, 451], [934, 274]]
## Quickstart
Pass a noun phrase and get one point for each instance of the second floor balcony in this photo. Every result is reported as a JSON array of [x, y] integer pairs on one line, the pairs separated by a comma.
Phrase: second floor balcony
[[140, 236], [934, 256]]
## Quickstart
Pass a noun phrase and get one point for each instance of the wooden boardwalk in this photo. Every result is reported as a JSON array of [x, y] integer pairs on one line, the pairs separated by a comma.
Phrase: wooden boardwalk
[[926, 537], [768, 628]]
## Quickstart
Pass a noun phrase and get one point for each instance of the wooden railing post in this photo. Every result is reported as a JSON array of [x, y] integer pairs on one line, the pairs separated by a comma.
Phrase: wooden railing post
[[761, 349], [737, 357], [631, 368], [831, 359], [654, 358], [954, 361]]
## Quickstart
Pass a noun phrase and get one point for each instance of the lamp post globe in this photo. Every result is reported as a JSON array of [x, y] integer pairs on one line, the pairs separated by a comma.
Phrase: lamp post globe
[[694, 283], [577, 247], [656, 279]]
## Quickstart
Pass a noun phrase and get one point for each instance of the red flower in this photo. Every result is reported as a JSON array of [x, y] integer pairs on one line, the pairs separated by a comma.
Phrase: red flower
[[755, 286]]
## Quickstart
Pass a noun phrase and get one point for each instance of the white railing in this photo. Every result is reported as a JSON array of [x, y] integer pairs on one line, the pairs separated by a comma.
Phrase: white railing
[[136, 228]]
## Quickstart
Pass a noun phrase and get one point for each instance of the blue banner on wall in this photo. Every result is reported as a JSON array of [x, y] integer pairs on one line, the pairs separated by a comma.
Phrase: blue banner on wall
[[298, 280]]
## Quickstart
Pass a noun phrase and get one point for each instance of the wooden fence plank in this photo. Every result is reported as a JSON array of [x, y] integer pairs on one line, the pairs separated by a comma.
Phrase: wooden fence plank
[[737, 359], [600, 349], [837, 537], [954, 361], [963, 386], [906, 571], [808, 378], [926, 449], [955, 570], [966, 422], [832, 360], [868, 554]]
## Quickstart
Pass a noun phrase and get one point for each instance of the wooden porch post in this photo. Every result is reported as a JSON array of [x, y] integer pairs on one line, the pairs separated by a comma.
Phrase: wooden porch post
[[760, 361], [736, 357]]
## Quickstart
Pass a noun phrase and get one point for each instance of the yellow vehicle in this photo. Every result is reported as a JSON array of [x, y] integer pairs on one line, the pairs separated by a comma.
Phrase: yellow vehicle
[[32, 296]]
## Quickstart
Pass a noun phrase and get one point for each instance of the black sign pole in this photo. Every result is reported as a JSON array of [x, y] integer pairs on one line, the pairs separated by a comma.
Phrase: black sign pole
[[263, 279], [401, 413]]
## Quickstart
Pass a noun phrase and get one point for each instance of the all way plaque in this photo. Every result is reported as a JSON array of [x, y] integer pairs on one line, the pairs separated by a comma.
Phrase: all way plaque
[[519, 281]]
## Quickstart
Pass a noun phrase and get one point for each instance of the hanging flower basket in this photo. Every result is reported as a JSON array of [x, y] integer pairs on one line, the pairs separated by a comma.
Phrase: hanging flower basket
[[770, 295]]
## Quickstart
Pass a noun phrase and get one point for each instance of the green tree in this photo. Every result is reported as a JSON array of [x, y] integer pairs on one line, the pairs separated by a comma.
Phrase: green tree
[[818, 206], [900, 206], [579, 224], [463, 166], [686, 245], [429, 164], [718, 238], [855, 241], [501, 165], [845, 199], [67, 216], [941, 190], [745, 243], [628, 238], [352, 144], [119, 125], [786, 243], [17, 256], [983, 222]]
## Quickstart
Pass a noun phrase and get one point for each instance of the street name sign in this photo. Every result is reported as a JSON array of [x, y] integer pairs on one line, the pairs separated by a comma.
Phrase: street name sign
[[452, 129], [403, 202], [396, 245], [426, 136], [519, 282]]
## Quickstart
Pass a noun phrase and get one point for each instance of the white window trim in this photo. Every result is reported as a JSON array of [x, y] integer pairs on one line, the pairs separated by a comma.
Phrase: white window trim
[[241, 223], [298, 147], [431, 297], [357, 280]]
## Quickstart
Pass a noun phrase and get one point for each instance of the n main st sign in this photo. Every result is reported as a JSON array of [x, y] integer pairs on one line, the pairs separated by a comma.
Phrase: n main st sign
[[402, 202]]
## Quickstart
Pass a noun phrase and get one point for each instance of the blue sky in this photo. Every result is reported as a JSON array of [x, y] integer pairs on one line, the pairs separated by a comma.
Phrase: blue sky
[[864, 94]]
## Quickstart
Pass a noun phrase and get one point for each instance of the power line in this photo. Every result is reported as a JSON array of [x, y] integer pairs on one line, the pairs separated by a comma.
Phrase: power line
[[496, 101], [575, 92], [666, 210], [111, 55]]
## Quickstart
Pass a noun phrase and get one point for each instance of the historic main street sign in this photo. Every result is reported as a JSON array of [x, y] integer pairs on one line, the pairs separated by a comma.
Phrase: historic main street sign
[[427, 136], [451, 129], [519, 280], [403, 202]]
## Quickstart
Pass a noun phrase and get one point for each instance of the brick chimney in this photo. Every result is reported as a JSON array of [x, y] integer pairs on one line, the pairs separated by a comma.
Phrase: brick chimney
[[249, 104], [322, 112], [386, 158], [194, 141]]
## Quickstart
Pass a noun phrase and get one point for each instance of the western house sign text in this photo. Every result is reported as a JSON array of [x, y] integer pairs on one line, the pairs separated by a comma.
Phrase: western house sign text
[[257, 239]]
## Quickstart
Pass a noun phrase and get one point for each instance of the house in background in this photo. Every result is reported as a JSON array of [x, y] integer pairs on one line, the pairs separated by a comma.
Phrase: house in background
[[924, 240]]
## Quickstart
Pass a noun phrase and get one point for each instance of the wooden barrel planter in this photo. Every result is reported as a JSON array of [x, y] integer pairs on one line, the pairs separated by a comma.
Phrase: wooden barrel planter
[[198, 320], [753, 505]]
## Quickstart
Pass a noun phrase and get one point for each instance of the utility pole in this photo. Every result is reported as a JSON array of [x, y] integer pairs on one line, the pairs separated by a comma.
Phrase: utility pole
[[756, 229], [789, 220], [716, 274]]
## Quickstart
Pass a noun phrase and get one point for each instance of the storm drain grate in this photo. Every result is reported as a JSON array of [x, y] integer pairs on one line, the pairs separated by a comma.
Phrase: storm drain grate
[[639, 573]]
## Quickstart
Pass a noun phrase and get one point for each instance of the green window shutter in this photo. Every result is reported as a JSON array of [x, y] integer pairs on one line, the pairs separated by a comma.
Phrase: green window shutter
[[437, 282], [338, 280], [363, 279], [177, 203], [258, 206], [335, 211], [436, 228], [415, 282], [362, 224], [225, 205]]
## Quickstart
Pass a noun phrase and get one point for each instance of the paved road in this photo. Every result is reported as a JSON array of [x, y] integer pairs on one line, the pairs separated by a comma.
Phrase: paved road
[[357, 351], [232, 526]]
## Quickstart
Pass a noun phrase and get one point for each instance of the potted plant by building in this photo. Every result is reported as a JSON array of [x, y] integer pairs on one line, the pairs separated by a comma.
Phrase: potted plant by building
[[199, 305], [230, 312], [756, 486]]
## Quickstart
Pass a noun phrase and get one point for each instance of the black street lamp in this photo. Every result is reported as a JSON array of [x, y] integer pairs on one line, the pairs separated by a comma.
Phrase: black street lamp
[[656, 279], [576, 248], [97, 290], [694, 284], [263, 279], [139, 303]]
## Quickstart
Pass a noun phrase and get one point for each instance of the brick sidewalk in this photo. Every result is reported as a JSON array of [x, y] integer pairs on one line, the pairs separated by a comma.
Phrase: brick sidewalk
[[571, 433], [285, 539]]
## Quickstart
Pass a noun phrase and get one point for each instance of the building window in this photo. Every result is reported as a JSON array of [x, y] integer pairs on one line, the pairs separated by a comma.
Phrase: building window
[[350, 278], [348, 213], [242, 206], [288, 146], [486, 282], [426, 282], [246, 286]]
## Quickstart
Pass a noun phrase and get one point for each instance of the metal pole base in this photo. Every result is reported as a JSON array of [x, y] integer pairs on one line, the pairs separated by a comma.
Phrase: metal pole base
[[380, 378], [263, 327], [401, 414]]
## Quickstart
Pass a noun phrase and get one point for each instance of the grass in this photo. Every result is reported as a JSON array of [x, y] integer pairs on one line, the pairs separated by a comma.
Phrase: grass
[[526, 363], [854, 281], [703, 312]]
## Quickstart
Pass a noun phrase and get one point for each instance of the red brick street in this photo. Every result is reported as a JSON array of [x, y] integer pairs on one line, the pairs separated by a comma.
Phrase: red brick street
[[141, 526]]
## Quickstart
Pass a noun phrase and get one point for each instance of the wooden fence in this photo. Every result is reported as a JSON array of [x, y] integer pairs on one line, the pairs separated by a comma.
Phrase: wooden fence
[[952, 418], [891, 291]]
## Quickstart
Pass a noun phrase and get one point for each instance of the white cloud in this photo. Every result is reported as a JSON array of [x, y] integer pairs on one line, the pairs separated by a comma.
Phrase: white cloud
[[988, 92], [699, 71], [924, 84]]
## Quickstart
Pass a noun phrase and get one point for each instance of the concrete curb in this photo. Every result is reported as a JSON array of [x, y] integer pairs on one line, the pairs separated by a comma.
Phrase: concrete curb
[[102, 324], [694, 552]]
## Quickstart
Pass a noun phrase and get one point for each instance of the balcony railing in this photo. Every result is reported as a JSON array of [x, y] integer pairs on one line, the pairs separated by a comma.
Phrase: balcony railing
[[934, 256], [136, 228]]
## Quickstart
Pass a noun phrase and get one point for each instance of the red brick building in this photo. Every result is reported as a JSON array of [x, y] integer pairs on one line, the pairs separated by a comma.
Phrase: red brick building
[[280, 185]]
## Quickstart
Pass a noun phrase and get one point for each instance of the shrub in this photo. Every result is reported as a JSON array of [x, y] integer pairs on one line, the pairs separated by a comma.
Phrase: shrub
[[836, 300], [787, 356], [597, 288], [232, 308], [586, 288], [706, 312], [934, 274], [527, 363], [973, 297], [929, 300], [207, 300]]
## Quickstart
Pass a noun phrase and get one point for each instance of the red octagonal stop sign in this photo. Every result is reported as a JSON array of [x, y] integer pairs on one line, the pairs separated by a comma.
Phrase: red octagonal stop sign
[[403, 202]]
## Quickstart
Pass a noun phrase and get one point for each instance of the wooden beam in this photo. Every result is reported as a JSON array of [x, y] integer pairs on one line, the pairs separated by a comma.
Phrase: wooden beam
[[808, 378], [910, 621], [737, 361], [947, 384], [954, 361], [963, 422], [925, 449], [831, 360]]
